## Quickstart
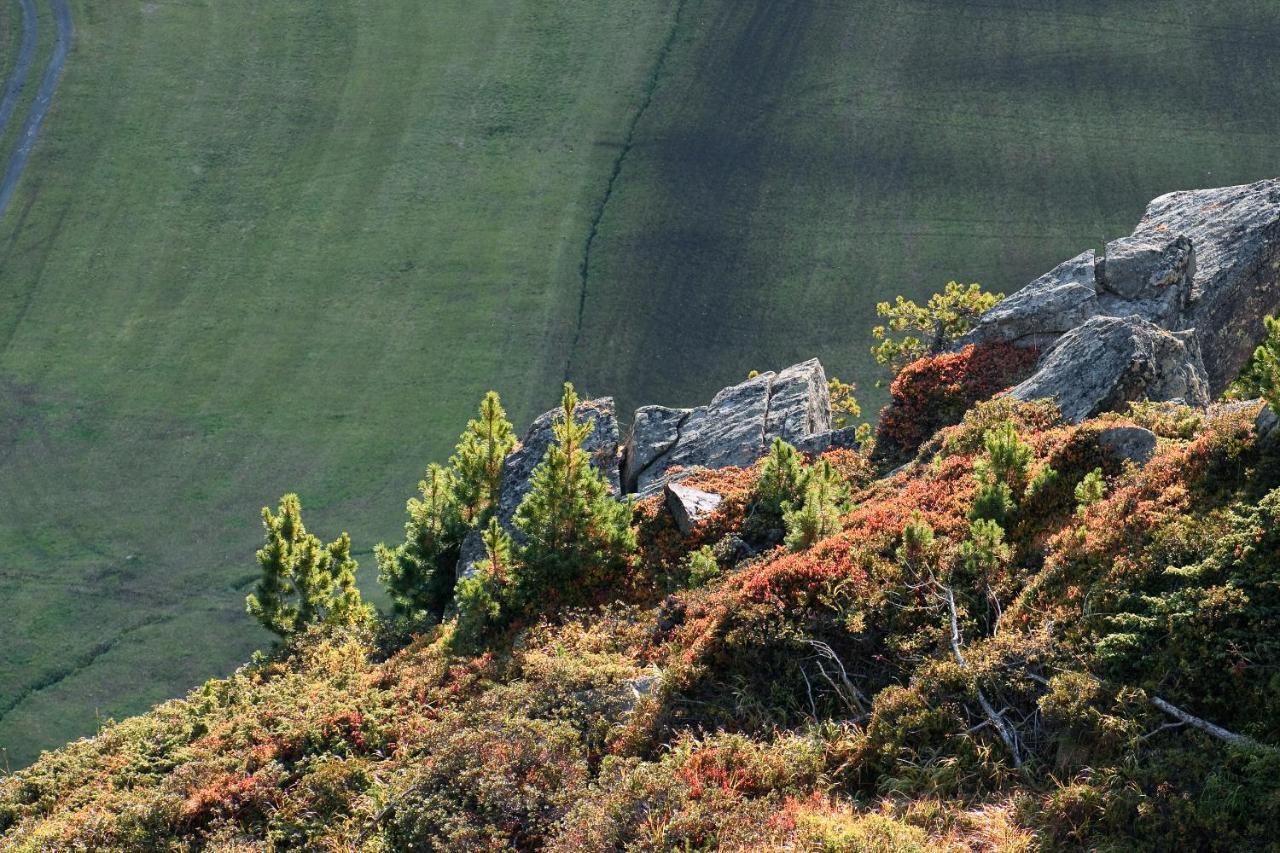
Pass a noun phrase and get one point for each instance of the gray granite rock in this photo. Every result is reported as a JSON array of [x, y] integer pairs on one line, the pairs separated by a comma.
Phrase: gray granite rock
[[1267, 422], [1154, 274], [636, 690], [799, 404], [734, 429], [1203, 265], [655, 431], [836, 439], [1236, 281], [1042, 311], [471, 554], [688, 505], [1107, 362], [1130, 443]]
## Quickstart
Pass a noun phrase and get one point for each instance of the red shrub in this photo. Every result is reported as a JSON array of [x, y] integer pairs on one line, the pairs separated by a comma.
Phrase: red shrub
[[937, 390]]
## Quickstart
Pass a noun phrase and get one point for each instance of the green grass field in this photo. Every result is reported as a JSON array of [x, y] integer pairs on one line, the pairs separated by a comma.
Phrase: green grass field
[[287, 245]]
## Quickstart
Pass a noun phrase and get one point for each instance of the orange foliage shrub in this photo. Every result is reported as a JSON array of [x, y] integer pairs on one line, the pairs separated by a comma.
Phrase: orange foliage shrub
[[936, 391]]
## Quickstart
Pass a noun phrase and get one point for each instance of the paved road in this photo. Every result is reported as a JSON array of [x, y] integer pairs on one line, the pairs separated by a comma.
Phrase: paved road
[[26, 55], [44, 95]]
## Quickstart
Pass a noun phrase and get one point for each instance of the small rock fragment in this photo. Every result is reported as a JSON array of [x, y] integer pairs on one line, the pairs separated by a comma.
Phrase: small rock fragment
[[689, 505]]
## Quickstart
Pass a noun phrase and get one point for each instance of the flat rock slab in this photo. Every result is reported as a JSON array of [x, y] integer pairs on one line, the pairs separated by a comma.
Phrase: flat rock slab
[[689, 505]]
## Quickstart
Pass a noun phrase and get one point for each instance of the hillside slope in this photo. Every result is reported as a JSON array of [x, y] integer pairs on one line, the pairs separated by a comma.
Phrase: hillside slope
[[286, 246], [910, 683]]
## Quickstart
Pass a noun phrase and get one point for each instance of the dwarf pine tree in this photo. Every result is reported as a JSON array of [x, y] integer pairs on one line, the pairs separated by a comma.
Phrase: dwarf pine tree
[[419, 574], [816, 515], [913, 331], [576, 535], [919, 549], [483, 597], [303, 580], [1001, 474], [1267, 360], [477, 460], [1091, 489], [984, 564], [781, 478]]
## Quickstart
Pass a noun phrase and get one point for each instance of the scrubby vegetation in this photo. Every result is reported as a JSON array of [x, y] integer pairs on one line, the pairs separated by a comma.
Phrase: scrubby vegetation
[[1015, 642], [913, 331]]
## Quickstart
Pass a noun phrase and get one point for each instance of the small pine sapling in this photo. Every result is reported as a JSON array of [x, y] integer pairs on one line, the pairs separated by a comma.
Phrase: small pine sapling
[[1091, 489], [477, 460], [1001, 474], [303, 581], [419, 574], [824, 499], [483, 597], [576, 535], [781, 478]]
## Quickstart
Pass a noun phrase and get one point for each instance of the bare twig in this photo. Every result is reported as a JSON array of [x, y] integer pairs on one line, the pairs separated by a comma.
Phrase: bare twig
[[827, 652], [1002, 728], [1205, 726], [813, 709]]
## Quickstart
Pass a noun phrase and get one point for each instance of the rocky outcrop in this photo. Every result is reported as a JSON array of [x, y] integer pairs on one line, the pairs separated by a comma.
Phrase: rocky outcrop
[[1236, 235], [1182, 298], [1109, 361], [735, 428], [688, 505], [1049, 307]]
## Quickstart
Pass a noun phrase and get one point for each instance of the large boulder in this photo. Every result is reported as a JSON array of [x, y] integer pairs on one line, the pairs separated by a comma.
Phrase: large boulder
[[1236, 279], [654, 432], [1128, 443], [734, 429], [1107, 362], [1202, 266]]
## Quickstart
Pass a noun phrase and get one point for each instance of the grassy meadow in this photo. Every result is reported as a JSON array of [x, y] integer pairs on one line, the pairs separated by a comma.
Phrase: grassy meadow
[[264, 247], [286, 246]]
